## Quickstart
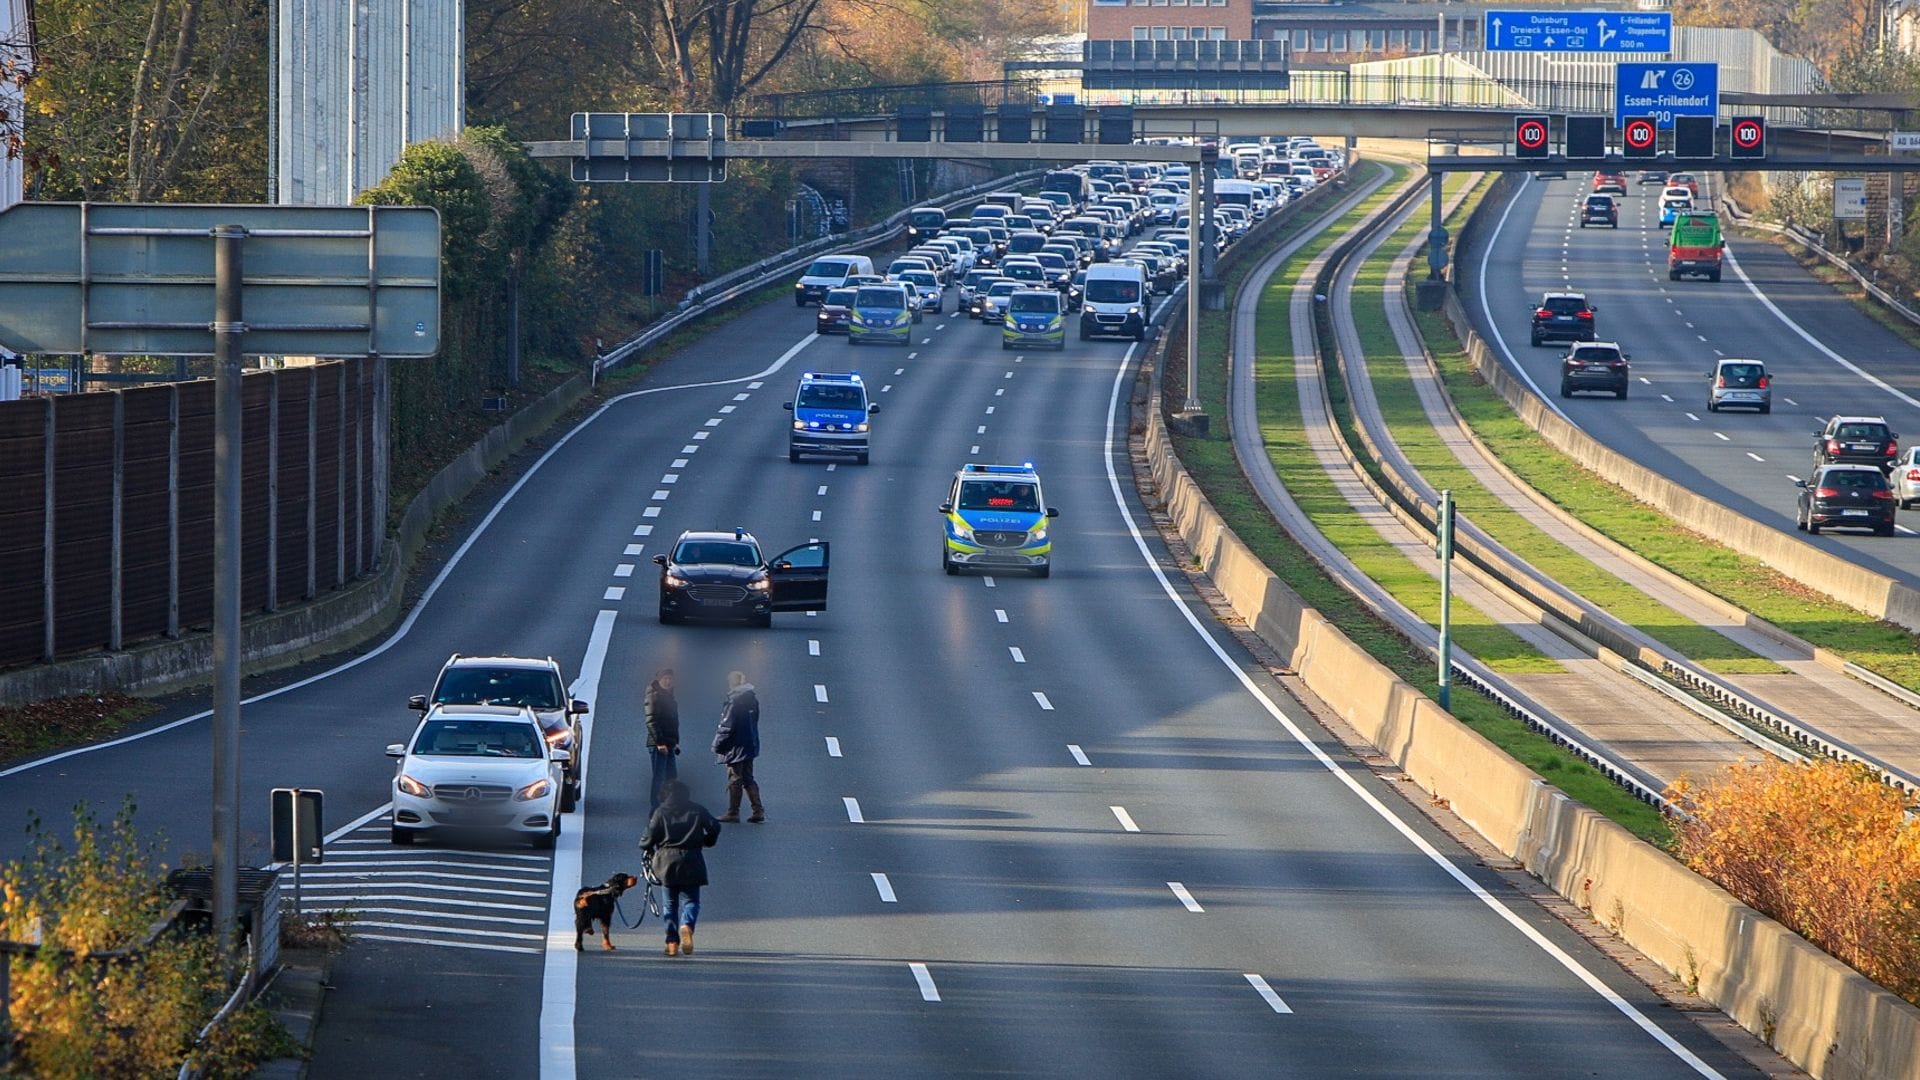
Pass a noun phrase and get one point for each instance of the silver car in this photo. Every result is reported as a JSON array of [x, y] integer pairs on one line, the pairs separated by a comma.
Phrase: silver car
[[1905, 478], [1739, 384]]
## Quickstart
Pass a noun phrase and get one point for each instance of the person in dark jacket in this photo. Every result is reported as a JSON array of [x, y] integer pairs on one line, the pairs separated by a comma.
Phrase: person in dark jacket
[[737, 743], [677, 834], [663, 733]]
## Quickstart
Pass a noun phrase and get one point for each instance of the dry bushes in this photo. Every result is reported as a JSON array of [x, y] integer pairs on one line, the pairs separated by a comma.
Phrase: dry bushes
[[1825, 848]]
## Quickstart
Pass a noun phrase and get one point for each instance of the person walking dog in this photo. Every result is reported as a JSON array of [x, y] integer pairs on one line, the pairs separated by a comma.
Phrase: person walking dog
[[677, 835], [663, 734], [737, 744]]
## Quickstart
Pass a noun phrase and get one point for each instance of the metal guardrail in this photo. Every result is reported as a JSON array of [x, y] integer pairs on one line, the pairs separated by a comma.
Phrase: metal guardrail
[[746, 279], [1812, 243]]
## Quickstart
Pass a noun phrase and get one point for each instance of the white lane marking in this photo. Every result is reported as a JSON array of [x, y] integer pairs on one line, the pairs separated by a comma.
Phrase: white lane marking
[[757, 384], [928, 991], [1266, 994], [813, 647], [660, 494], [1690, 416], [463, 916], [1446, 866], [926, 341], [1666, 398], [833, 746], [558, 984], [1041, 700], [981, 430], [643, 530], [741, 397], [545, 1074], [1702, 337], [651, 511], [1008, 375], [1126, 819], [830, 467], [820, 692], [614, 592], [975, 450], [899, 371], [1186, 898], [910, 356], [1644, 381], [1717, 352], [670, 478], [987, 579], [1018, 656], [1000, 614], [510, 935], [433, 587], [1793, 478], [1811, 340], [1000, 392], [690, 448], [678, 463], [816, 515], [822, 490], [625, 569], [715, 422], [1486, 311], [853, 810], [634, 549], [990, 409], [467, 889], [1755, 456], [1791, 402], [701, 435], [1688, 324], [1721, 437], [885, 889], [724, 409], [1079, 755], [886, 388]]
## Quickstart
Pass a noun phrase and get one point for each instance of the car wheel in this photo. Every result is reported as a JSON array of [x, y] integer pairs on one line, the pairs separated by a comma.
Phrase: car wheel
[[860, 459], [1044, 570], [668, 618], [851, 340], [1534, 341], [793, 456], [946, 563], [1884, 530], [546, 840], [1799, 521], [763, 621], [1766, 409], [1673, 275], [404, 837], [1084, 336], [1566, 391], [1621, 393], [1711, 407], [1813, 527], [569, 797], [1715, 276]]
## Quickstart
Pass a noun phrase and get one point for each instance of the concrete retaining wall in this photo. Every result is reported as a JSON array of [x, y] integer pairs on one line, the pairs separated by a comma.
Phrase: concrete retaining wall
[[1819, 1013]]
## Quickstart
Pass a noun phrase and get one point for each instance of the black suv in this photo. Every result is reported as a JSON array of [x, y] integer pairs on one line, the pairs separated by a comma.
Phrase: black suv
[[518, 681], [1596, 366], [1856, 440], [1845, 497], [1600, 210], [1562, 316], [722, 576]]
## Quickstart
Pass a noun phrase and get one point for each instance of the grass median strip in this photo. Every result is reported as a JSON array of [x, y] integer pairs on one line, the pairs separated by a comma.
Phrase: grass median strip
[[1211, 462], [1753, 585], [1416, 437]]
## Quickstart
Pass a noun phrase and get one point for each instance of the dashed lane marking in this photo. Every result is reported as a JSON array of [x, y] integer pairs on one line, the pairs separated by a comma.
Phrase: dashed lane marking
[[614, 592], [822, 490], [660, 494], [1755, 456], [634, 549], [833, 746], [813, 647], [741, 397], [987, 579], [1041, 700], [928, 991], [853, 810], [1186, 898], [678, 463], [624, 569], [820, 692], [701, 436], [1018, 656], [643, 530], [715, 422], [1079, 755], [1126, 819], [884, 888], [651, 511], [1000, 614], [1266, 994]]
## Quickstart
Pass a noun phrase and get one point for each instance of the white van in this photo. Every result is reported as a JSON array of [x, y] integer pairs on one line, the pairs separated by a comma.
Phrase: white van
[[1114, 302], [828, 272]]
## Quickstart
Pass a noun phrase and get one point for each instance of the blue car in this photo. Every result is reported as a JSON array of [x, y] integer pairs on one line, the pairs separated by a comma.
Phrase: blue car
[[882, 313]]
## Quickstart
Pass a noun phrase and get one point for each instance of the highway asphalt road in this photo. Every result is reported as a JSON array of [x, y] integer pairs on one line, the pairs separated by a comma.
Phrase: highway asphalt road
[[1826, 357], [1017, 826]]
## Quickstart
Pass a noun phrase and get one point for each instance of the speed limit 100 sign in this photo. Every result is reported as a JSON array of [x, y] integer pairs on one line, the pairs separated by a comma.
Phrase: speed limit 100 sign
[[1640, 137], [1748, 137], [1530, 136]]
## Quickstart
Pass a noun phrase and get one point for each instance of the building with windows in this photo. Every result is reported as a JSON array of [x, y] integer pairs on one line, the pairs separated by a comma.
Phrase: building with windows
[[1169, 20], [1348, 32]]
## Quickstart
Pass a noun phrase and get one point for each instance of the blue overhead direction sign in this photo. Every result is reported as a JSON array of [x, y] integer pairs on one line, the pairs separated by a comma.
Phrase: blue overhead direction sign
[[1579, 31], [1664, 91]]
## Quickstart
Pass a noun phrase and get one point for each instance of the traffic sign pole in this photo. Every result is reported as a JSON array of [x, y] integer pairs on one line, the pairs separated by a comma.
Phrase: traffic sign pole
[[227, 330]]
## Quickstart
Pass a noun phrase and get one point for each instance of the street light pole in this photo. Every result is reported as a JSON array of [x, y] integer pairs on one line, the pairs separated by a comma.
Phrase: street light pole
[[227, 330], [1446, 599]]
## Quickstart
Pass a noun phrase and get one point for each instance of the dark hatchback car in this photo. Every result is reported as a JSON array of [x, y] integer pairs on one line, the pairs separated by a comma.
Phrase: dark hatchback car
[[1596, 366], [1845, 497], [1562, 316], [1856, 440], [1600, 210], [836, 308], [722, 577]]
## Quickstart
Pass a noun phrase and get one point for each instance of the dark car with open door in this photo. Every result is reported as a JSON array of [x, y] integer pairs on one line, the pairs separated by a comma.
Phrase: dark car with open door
[[722, 577]]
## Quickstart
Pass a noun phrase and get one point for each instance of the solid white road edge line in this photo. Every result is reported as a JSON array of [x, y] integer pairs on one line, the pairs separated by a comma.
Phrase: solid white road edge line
[[1559, 955], [928, 991], [446, 571], [558, 990], [1493, 326]]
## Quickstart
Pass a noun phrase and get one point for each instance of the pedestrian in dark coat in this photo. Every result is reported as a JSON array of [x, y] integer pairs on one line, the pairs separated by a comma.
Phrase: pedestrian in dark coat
[[663, 734], [677, 835], [737, 744]]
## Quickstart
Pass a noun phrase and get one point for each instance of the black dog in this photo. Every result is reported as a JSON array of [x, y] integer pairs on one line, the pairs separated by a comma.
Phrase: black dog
[[596, 905]]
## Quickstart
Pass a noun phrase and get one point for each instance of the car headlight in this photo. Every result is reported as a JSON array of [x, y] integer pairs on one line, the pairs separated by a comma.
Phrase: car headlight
[[799, 425], [1038, 534], [673, 581], [961, 530], [559, 736], [760, 584], [408, 785], [859, 427], [534, 790]]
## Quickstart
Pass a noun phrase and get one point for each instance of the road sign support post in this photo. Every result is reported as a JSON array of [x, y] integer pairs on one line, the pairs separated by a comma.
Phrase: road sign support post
[[1437, 233], [1446, 599], [228, 241]]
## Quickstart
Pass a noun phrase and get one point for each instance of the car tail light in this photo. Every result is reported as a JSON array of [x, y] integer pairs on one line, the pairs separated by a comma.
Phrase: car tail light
[[1721, 381], [1585, 314], [1913, 474], [1883, 493], [1764, 382], [1833, 446], [1827, 493], [1543, 313], [1892, 449]]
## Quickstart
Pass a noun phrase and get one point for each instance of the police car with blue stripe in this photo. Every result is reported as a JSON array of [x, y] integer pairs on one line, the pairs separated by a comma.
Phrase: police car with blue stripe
[[995, 516], [830, 416]]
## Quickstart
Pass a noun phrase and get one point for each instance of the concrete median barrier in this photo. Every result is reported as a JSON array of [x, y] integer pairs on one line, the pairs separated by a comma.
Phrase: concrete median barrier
[[1816, 1011]]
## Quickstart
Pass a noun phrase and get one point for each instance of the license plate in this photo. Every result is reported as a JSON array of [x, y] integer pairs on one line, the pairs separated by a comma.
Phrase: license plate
[[1861, 446], [1853, 513]]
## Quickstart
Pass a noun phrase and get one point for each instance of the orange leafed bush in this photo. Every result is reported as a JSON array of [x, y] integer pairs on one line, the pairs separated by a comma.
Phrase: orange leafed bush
[[1825, 848]]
